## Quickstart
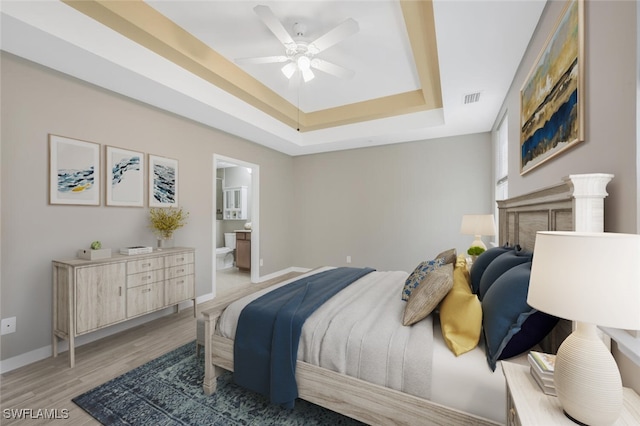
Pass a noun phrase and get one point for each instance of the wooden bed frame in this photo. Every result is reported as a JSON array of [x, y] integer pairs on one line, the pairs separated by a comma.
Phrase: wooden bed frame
[[574, 204]]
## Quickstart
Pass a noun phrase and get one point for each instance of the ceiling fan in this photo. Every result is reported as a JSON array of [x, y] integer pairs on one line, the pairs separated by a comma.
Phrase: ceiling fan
[[300, 56]]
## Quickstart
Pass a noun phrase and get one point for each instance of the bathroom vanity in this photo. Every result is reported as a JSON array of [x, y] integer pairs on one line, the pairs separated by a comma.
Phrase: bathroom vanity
[[243, 250]]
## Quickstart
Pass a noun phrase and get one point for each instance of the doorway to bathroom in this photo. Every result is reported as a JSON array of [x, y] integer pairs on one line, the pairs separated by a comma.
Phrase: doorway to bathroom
[[236, 225]]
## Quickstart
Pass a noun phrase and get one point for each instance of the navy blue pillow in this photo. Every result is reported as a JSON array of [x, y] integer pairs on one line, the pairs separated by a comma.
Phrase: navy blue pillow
[[480, 264], [510, 325], [499, 266]]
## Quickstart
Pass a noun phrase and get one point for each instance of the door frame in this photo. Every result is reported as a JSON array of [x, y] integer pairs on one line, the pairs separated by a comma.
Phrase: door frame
[[255, 217]]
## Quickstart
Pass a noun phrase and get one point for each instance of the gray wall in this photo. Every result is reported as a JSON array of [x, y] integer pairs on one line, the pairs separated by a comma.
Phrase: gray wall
[[389, 207], [611, 141], [37, 101]]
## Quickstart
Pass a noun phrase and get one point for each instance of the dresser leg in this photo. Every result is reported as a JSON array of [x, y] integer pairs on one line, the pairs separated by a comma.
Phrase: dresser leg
[[72, 351]]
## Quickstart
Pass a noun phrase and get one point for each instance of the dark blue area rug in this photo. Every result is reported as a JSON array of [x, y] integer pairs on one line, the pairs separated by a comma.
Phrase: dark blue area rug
[[168, 391]]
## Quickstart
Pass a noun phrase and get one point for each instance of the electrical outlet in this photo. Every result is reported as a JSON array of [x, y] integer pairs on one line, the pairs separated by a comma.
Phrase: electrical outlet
[[261, 262], [348, 259], [8, 325]]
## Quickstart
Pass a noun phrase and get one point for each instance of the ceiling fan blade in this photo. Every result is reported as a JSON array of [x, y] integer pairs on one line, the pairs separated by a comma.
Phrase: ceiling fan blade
[[274, 24], [261, 60], [336, 35], [331, 68]]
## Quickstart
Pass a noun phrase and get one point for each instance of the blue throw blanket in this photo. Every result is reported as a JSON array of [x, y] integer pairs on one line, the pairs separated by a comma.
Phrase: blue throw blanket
[[268, 332]]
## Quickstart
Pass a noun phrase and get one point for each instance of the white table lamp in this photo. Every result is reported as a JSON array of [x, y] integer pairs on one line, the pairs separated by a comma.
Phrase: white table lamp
[[478, 225], [593, 279]]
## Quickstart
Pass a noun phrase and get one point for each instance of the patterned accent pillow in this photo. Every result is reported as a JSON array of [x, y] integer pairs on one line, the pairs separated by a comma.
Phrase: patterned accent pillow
[[426, 297], [418, 275], [449, 256]]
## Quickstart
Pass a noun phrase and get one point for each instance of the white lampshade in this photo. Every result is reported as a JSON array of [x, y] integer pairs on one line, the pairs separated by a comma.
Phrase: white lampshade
[[587, 277], [478, 225], [594, 279]]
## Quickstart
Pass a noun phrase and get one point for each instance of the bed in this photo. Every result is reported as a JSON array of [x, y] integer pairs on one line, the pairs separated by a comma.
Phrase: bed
[[461, 389]]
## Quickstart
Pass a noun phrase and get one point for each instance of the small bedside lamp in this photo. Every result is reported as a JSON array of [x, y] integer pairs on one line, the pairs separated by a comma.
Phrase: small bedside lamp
[[478, 225], [594, 279]]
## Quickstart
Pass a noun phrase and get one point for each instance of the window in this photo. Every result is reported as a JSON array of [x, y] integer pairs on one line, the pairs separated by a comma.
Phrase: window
[[502, 160]]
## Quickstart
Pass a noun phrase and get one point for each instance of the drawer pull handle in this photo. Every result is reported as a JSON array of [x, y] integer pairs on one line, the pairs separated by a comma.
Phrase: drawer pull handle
[[181, 270], [146, 265], [146, 290], [119, 291], [181, 259], [148, 277], [180, 282]]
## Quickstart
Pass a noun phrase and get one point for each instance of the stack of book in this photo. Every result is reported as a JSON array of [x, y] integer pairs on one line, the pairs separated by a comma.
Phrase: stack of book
[[542, 370], [136, 250]]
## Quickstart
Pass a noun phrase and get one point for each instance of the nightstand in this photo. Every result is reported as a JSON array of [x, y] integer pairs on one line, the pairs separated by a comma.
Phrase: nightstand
[[528, 405]]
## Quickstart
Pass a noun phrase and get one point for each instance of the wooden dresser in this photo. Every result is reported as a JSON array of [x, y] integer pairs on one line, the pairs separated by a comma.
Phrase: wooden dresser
[[89, 295]]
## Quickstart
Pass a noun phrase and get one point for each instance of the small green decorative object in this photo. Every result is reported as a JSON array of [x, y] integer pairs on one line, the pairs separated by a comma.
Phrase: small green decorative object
[[96, 245], [475, 251]]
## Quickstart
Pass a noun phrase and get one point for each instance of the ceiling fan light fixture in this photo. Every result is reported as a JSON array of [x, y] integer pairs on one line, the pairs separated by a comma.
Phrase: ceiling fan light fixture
[[289, 69], [301, 54], [304, 63], [307, 75]]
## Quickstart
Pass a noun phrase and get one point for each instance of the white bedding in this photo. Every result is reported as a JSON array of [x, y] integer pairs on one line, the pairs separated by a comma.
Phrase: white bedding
[[360, 334]]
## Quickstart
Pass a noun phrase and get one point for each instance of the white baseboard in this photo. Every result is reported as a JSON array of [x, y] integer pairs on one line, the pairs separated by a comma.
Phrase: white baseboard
[[63, 345], [25, 359]]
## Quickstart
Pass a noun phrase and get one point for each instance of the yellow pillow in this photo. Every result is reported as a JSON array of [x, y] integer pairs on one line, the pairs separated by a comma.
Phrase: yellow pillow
[[461, 313]]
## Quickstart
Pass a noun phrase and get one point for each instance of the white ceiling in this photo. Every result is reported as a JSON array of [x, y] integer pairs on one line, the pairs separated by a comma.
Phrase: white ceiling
[[480, 45]]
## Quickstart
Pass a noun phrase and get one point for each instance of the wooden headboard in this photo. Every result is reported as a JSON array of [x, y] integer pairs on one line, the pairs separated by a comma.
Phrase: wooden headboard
[[548, 209], [576, 204]]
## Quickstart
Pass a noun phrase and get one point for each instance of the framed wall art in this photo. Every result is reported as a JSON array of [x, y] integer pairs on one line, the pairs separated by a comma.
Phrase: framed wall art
[[552, 97], [163, 182], [124, 180], [74, 171]]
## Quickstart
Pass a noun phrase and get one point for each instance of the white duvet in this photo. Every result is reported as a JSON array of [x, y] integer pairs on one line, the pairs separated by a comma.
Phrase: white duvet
[[359, 333]]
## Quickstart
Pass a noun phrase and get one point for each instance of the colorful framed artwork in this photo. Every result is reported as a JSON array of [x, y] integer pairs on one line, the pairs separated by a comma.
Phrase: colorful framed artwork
[[124, 180], [163, 182], [552, 97], [74, 171]]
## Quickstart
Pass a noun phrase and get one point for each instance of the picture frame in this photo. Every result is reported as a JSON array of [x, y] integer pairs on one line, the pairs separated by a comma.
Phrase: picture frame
[[74, 171], [124, 177], [552, 96], [163, 181]]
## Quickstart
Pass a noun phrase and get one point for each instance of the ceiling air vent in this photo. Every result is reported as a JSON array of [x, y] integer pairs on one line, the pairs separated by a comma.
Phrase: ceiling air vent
[[471, 98]]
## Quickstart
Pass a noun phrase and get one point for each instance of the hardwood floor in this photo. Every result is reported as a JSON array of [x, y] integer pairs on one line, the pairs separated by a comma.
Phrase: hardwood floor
[[50, 384]]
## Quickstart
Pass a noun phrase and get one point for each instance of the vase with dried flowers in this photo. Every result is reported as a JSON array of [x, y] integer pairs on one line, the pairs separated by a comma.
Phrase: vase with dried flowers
[[165, 221]]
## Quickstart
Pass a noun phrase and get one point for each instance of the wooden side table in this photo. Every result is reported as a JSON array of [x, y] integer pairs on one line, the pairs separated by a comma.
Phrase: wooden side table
[[528, 405]]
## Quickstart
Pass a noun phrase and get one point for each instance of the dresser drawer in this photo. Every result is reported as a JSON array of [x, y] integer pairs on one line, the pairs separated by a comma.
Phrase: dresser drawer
[[134, 280], [179, 271], [179, 289], [243, 235], [145, 298], [144, 265], [178, 259]]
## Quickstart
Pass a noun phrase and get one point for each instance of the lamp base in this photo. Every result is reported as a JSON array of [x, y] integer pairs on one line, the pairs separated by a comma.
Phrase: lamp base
[[578, 422], [477, 242], [587, 378]]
